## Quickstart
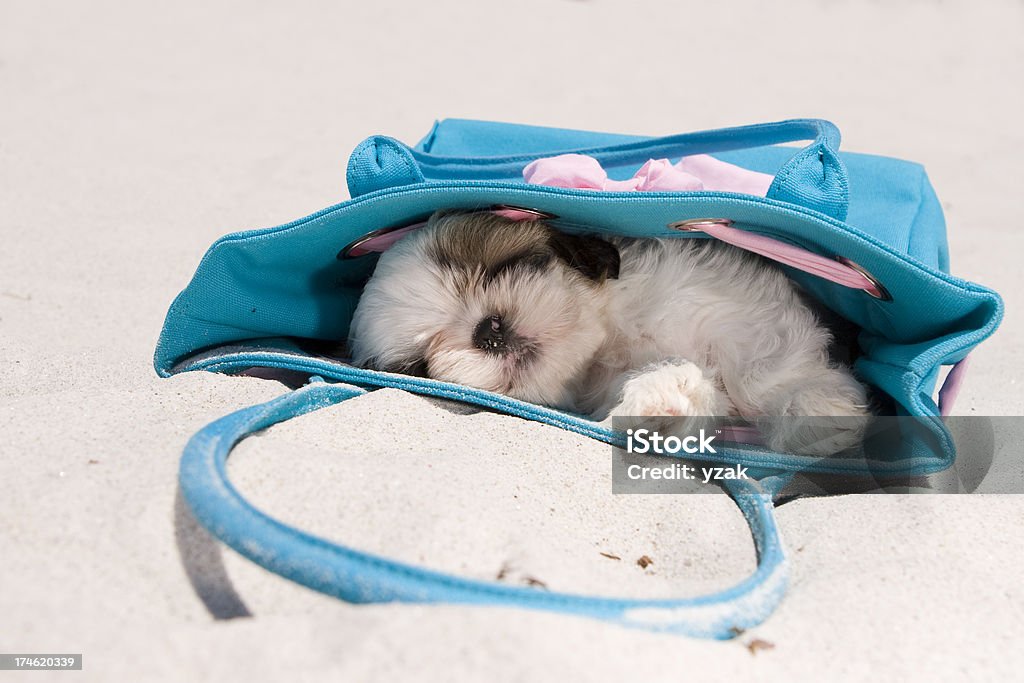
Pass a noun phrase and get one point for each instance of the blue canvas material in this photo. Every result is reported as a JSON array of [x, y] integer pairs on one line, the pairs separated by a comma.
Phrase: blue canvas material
[[254, 288]]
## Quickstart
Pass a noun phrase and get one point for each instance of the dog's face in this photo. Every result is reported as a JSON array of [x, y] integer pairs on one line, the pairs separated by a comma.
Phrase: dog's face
[[478, 299]]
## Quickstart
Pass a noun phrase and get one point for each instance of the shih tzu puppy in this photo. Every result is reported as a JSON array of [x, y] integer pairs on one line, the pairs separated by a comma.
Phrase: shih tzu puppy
[[683, 328]]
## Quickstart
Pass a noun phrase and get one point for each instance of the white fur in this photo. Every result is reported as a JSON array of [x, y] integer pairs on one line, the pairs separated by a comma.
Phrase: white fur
[[689, 328]]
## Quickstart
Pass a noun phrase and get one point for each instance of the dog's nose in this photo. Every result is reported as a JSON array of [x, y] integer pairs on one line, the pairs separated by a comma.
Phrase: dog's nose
[[490, 334]]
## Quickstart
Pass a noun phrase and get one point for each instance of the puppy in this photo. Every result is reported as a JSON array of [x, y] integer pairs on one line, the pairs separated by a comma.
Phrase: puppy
[[683, 328]]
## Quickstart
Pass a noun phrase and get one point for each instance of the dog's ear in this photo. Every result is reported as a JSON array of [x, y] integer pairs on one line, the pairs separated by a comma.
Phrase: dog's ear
[[592, 256]]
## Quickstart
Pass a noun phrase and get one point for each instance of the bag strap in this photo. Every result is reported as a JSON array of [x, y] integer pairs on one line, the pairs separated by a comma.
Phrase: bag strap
[[360, 577], [814, 177]]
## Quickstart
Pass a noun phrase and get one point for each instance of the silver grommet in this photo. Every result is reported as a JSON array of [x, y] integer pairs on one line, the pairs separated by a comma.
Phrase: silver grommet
[[698, 224], [880, 292], [537, 213]]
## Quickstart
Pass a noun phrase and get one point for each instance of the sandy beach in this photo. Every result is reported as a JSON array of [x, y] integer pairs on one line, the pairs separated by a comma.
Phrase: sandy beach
[[132, 137]]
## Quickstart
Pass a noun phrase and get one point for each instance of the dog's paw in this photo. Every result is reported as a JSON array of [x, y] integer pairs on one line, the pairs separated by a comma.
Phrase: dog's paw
[[824, 418], [816, 436], [670, 395]]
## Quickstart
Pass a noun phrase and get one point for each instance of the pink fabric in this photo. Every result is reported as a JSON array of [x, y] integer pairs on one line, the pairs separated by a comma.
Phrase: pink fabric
[[720, 176], [951, 387], [692, 173]]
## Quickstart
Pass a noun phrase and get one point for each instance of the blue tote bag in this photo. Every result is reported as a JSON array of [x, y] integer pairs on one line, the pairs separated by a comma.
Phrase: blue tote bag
[[258, 299]]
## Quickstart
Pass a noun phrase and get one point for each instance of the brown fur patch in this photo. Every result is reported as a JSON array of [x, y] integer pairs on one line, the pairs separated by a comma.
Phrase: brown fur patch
[[483, 239], [483, 244]]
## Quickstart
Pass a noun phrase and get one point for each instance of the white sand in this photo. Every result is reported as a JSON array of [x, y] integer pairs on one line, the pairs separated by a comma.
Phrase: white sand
[[130, 140]]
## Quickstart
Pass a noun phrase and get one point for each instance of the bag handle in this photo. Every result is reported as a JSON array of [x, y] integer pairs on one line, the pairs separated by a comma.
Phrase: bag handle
[[360, 577], [814, 178]]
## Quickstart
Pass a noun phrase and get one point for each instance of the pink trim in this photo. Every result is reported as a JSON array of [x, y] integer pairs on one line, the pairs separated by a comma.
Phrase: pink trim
[[745, 434], [951, 387], [801, 259], [518, 215], [382, 242]]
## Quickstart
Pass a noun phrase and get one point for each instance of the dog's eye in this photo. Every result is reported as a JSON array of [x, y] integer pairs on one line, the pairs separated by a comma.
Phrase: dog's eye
[[490, 334]]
